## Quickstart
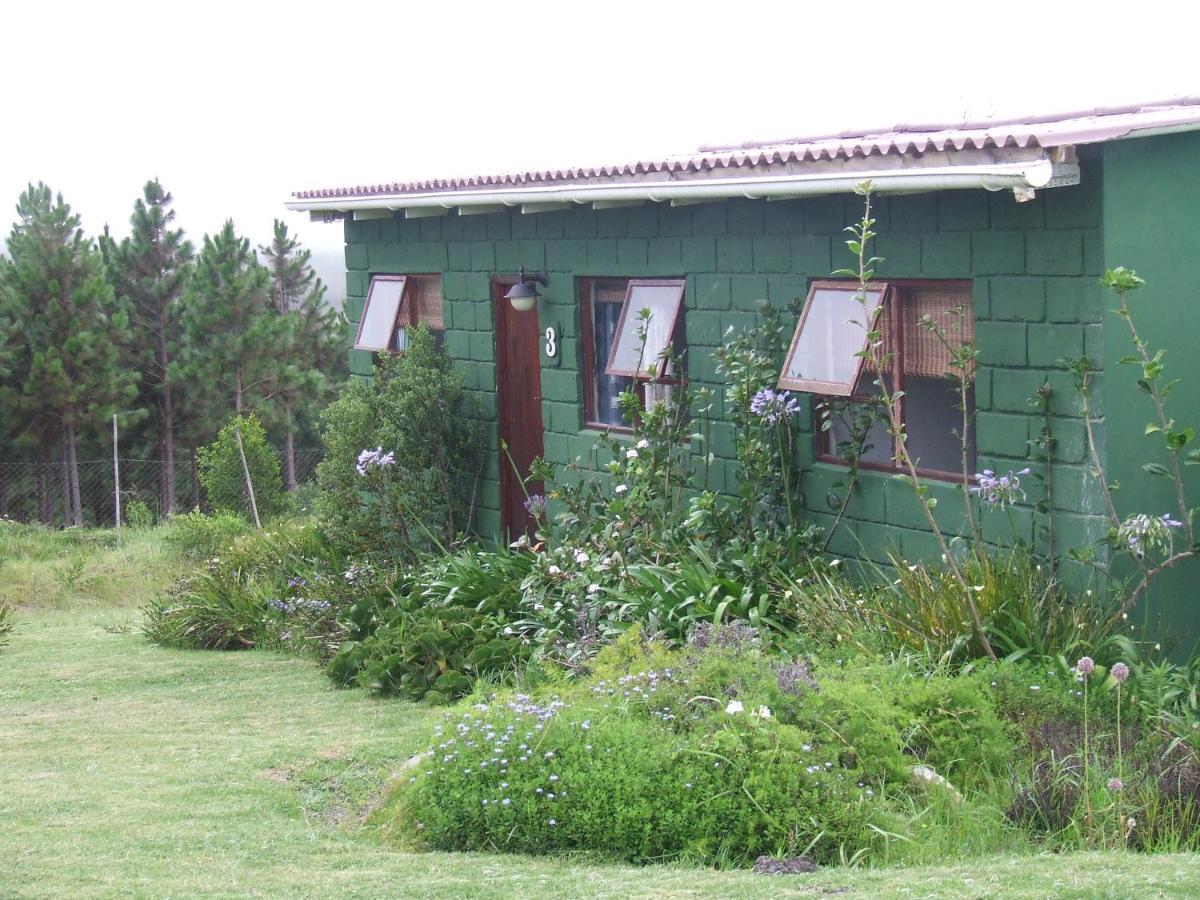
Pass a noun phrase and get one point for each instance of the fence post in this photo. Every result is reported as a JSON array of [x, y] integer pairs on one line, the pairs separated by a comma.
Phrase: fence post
[[116, 483], [246, 471]]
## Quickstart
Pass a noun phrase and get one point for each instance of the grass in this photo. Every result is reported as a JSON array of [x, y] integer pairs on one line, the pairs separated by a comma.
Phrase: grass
[[132, 770], [47, 568]]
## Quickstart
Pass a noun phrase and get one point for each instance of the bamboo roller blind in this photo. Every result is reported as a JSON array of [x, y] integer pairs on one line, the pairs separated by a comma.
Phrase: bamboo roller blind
[[924, 353]]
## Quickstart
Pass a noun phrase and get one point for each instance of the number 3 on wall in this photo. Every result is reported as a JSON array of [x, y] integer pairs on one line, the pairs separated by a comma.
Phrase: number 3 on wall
[[551, 343]]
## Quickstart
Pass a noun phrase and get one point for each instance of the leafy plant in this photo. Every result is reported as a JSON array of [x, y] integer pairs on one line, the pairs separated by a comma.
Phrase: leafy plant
[[224, 479], [415, 415], [7, 618]]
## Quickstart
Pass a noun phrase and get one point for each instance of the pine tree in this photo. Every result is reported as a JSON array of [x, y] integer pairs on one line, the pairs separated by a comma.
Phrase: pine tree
[[317, 338], [233, 343], [149, 269], [66, 374]]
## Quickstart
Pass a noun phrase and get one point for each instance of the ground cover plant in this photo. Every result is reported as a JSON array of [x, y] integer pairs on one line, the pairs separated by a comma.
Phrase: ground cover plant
[[183, 773]]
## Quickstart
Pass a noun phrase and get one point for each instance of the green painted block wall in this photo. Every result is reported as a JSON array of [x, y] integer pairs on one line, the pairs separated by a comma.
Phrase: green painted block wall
[[1151, 205], [1035, 295]]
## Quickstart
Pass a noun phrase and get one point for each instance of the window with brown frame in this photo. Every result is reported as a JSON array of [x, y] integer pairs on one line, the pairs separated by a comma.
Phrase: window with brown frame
[[612, 356], [396, 303], [920, 322]]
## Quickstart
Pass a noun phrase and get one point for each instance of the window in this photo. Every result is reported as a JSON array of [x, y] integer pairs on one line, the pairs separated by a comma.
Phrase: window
[[609, 315], [822, 360], [394, 304]]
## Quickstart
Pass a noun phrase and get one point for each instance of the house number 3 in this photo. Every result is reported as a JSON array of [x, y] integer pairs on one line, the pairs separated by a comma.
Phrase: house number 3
[[551, 343]]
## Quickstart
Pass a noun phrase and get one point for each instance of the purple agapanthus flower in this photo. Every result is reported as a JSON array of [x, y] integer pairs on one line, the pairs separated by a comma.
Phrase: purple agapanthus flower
[[1141, 533], [1000, 491], [374, 459], [536, 506], [774, 407]]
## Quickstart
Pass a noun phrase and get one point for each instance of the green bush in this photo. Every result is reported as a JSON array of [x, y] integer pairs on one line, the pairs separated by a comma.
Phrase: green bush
[[242, 596], [450, 628], [7, 615], [415, 493], [224, 480], [138, 514], [716, 753], [199, 535]]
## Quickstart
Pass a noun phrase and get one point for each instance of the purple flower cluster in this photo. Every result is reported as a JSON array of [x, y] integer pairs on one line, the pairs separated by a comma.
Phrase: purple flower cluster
[[1142, 533], [536, 506], [999, 491], [1119, 672], [374, 459], [300, 605], [774, 407]]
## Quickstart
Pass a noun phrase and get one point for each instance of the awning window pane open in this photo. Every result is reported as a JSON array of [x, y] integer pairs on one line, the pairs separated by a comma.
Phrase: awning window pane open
[[832, 330], [663, 298], [380, 312]]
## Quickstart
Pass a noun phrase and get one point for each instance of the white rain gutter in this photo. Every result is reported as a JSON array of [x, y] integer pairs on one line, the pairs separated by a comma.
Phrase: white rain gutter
[[1021, 177]]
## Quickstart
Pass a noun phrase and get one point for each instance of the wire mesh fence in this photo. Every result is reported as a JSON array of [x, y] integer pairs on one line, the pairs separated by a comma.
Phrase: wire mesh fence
[[37, 492]]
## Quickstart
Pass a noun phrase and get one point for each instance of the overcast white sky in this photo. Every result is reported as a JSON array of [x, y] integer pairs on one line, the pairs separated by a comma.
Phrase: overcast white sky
[[235, 105]]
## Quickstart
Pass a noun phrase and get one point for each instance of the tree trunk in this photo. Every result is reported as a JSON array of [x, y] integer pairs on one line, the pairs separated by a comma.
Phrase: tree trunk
[[195, 467], [167, 459], [64, 482], [289, 454], [73, 477], [45, 497]]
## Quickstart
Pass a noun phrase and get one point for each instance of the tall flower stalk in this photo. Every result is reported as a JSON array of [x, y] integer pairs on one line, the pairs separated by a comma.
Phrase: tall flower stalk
[[861, 236]]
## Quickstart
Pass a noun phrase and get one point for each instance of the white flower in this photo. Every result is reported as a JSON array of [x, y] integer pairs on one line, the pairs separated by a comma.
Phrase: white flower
[[735, 706], [763, 712], [643, 444], [582, 558], [835, 563], [554, 570], [620, 488], [593, 588], [631, 454]]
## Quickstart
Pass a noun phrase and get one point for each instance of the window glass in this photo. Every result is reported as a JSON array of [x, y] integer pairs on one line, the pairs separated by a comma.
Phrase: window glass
[[924, 324], [376, 331], [832, 329], [878, 447], [933, 424], [606, 314], [628, 355]]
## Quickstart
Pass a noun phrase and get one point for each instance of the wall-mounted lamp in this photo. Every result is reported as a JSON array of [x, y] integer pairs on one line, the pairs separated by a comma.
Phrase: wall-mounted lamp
[[523, 295]]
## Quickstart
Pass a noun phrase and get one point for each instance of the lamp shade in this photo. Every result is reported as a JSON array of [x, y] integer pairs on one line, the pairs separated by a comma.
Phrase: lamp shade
[[522, 295]]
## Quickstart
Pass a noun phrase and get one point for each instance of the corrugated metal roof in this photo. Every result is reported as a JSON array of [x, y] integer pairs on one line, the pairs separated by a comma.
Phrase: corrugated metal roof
[[1046, 131]]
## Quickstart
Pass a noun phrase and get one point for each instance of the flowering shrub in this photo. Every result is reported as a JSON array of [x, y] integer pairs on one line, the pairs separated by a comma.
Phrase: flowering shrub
[[403, 455], [701, 755]]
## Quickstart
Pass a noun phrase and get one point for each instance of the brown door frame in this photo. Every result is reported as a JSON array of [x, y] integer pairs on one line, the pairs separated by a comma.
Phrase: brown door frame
[[513, 517]]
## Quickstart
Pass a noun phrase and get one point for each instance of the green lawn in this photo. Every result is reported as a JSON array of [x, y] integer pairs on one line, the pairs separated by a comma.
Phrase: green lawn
[[131, 770]]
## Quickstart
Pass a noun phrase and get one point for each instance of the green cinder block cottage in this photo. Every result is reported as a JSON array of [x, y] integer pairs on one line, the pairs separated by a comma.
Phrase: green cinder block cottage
[[1017, 220]]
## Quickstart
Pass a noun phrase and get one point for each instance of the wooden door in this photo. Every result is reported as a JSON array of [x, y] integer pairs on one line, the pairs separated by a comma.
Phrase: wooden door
[[519, 405]]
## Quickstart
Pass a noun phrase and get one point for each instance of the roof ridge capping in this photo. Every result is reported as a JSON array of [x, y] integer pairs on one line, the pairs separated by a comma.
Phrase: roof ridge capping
[[1022, 154], [1176, 103]]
